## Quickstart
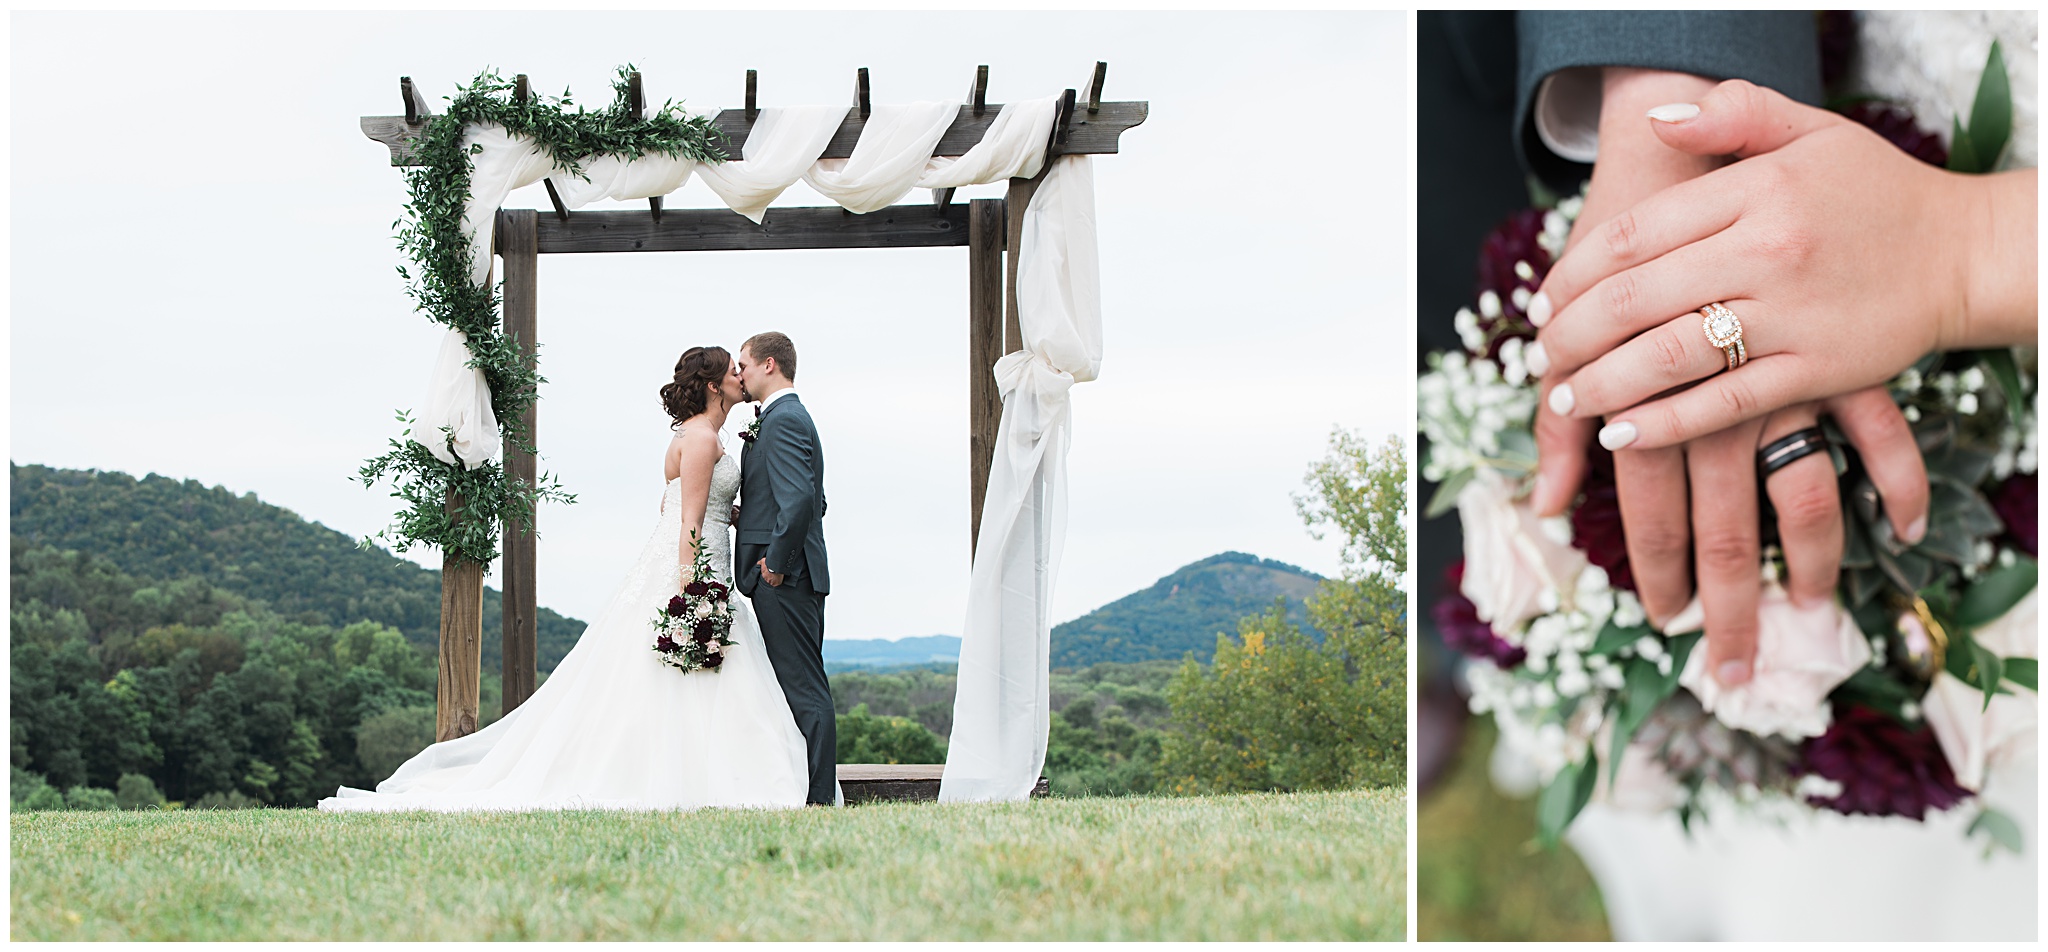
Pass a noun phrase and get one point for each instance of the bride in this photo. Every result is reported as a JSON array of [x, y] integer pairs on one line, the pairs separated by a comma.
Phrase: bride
[[613, 727]]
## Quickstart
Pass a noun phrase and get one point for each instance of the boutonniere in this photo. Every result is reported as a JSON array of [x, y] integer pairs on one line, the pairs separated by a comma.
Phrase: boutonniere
[[752, 430]]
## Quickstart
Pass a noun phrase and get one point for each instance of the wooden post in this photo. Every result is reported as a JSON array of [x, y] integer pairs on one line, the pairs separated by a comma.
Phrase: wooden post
[[985, 238], [462, 643], [1014, 203], [519, 245]]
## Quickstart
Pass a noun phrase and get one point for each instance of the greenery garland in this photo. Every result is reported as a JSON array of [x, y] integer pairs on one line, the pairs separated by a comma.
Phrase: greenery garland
[[432, 235]]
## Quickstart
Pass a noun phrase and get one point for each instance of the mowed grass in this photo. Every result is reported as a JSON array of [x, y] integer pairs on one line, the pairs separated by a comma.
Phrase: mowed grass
[[1265, 866]]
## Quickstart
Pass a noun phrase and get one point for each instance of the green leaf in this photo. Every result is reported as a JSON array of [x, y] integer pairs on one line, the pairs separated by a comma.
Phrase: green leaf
[[1990, 670], [1560, 802], [1991, 114], [1999, 363], [1613, 638], [2024, 672], [1996, 592], [2001, 830], [1643, 688], [1446, 497], [1961, 158]]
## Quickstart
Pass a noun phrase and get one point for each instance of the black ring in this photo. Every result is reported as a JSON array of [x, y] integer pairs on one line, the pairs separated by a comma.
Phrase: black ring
[[1789, 449]]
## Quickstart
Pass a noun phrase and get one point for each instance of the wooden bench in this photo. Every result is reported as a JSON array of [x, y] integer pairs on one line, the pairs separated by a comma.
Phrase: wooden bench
[[863, 783]]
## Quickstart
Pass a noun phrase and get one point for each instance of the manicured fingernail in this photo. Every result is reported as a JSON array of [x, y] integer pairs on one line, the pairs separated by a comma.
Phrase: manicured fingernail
[[1538, 361], [1675, 112], [1917, 531], [1561, 399], [1614, 436], [1732, 673], [1539, 309]]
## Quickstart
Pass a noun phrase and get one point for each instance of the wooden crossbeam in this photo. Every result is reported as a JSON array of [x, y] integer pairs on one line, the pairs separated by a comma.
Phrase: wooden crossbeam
[[721, 229], [1086, 133]]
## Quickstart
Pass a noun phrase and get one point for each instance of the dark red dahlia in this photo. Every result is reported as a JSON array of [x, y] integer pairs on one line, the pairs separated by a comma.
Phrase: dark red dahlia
[[676, 605], [1457, 622], [696, 588], [1897, 126], [717, 590], [2019, 508], [1512, 241], [713, 660], [1884, 767], [664, 644], [1596, 522], [705, 630]]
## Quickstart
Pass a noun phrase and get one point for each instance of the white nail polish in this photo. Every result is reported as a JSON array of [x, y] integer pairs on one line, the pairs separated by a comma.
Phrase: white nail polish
[[1539, 309], [1732, 673], [1675, 112], [1614, 436], [1538, 361], [1916, 531], [1561, 399]]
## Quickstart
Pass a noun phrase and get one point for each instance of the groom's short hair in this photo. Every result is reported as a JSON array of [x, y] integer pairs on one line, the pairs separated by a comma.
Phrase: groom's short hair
[[775, 346]]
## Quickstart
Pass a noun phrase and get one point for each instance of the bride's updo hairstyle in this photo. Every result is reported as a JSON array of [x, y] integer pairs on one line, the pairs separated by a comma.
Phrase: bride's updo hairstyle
[[700, 368]]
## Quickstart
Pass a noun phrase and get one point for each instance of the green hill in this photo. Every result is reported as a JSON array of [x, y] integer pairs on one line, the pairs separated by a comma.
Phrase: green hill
[[1183, 612], [166, 529]]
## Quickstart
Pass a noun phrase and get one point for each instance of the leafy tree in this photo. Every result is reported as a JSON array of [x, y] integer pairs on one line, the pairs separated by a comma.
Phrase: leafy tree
[[1279, 710], [137, 792], [90, 798], [391, 737], [865, 738]]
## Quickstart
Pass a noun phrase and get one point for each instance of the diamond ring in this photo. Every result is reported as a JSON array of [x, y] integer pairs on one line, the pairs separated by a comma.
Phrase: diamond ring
[[1724, 330]]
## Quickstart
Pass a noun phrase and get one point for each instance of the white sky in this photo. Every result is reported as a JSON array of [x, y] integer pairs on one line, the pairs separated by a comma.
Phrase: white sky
[[203, 287]]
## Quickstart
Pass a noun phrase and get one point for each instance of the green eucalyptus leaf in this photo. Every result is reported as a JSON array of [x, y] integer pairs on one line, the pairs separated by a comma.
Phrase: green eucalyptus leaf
[[2024, 672], [1560, 802], [1446, 496], [1991, 113], [2000, 830], [1961, 157], [1996, 592]]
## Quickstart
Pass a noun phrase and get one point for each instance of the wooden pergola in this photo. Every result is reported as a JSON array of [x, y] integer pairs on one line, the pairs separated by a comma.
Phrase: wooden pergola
[[990, 229]]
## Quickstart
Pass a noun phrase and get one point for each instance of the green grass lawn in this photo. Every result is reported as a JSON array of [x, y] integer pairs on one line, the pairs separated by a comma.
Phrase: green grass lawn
[[1479, 875], [1266, 866]]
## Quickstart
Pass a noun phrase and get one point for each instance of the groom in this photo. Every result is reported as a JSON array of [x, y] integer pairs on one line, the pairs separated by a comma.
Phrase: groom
[[781, 553]]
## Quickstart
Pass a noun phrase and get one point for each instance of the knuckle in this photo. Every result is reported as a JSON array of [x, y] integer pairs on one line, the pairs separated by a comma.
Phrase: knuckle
[[1727, 552], [1736, 398], [1659, 540], [1806, 507], [1669, 355], [1619, 235], [1620, 295]]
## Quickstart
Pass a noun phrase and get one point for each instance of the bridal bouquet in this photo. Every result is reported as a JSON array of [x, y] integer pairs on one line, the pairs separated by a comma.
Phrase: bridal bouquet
[[1895, 701], [690, 632]]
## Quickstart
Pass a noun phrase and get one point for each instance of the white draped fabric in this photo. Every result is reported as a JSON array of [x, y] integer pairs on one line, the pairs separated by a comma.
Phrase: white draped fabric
[[1001, 716], [1001, 709]]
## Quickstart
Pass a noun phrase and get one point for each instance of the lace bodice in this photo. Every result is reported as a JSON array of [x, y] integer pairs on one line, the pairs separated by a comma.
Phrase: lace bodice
[[725, 487]]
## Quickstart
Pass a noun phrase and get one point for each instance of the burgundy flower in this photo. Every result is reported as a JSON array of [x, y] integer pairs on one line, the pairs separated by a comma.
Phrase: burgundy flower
[[1512, 241], [2017, 507], [1897, 126], [717, 590], [1885, 768], [1596, 522], [713, 660], [664, 644], [696, 588], [705, 630], [1457, 621], [676, 605]]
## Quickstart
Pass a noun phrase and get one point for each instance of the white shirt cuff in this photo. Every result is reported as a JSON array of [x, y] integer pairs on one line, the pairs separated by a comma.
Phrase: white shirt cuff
[[1567, 113]]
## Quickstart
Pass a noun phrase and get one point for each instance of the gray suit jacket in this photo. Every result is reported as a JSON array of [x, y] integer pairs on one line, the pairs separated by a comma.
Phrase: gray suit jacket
[[782, 498], [1778, 49]]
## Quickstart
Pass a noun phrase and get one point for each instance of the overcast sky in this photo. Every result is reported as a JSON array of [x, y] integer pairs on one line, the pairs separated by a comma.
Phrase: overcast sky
[[203, 286]]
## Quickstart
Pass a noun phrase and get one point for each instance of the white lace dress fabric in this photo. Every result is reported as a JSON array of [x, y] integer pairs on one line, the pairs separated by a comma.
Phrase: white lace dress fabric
[[1828, 876], [614, 728]]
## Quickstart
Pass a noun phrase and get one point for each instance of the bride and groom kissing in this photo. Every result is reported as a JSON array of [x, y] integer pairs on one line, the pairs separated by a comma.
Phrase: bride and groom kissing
[[612, 727]]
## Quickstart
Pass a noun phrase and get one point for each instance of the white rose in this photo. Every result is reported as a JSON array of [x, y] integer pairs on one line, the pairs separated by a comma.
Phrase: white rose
[[1509, 562], [721, 609], [713, 647], [1977, 739], [703, 609], [1801, 655]]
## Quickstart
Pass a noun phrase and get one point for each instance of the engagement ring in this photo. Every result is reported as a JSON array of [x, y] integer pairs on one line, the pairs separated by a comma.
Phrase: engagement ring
[[1724, 330]]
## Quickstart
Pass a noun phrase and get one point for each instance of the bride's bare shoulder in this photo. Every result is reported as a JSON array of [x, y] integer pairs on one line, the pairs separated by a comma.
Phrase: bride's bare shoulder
[[692, 448]]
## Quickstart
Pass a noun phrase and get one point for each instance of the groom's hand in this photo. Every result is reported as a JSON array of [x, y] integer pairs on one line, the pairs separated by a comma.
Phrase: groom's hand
[[774, 579]]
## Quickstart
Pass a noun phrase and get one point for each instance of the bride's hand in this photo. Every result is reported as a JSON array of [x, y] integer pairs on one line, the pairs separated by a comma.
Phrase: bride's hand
[[1844, 258]]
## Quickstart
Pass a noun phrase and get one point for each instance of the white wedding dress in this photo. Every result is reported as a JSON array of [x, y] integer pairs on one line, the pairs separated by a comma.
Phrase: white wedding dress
[[613, 727]]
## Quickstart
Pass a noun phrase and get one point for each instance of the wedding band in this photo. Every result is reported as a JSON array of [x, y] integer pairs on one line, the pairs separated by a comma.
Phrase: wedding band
[[1724, 330], [1790, 448]]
